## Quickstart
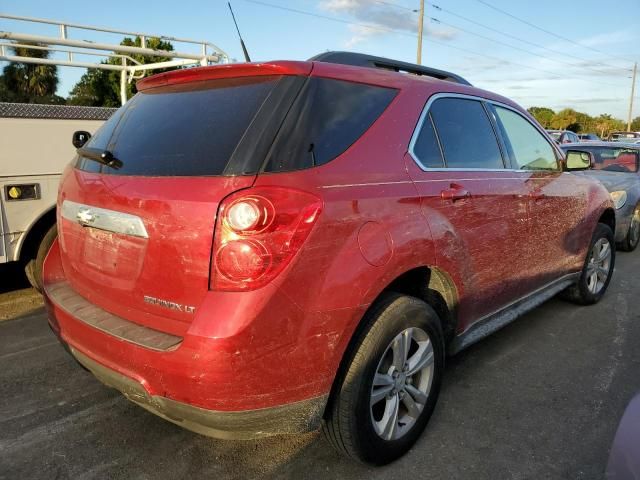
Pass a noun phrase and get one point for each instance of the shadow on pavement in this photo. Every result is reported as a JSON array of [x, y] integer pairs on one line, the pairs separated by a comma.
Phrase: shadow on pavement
[[12, 277]]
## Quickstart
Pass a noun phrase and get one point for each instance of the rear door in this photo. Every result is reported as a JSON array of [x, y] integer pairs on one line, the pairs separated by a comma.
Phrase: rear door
[[475, 206], [137, 240], [557, 200]]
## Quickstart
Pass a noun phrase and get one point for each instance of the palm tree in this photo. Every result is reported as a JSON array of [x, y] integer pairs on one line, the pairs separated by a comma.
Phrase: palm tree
[[29, 82]]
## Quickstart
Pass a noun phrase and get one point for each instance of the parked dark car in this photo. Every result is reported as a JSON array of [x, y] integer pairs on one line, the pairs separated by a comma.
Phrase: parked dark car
[[258, 249], [616, 165], [589, 137], [563, 136]]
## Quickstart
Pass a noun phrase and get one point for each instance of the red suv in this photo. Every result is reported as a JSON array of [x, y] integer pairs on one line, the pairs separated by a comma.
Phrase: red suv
[[258, 249]]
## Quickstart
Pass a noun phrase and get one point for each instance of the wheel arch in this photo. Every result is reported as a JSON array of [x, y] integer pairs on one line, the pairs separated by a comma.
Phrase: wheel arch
[[28, 245], [432, 285], [608, 217], [436, 288]]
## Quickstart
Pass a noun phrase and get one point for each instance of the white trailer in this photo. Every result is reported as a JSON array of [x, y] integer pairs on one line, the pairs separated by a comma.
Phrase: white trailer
[[36, 146]]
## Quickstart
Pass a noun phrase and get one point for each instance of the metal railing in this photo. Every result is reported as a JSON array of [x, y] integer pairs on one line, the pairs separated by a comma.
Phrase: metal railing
[[129, 68]]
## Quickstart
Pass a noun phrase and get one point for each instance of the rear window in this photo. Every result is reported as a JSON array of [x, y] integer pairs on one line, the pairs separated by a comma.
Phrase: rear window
[[327, 118], [181, 130]]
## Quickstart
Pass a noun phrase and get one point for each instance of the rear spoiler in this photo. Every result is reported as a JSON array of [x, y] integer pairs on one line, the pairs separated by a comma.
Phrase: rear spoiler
[[370, 61], [233, 70]]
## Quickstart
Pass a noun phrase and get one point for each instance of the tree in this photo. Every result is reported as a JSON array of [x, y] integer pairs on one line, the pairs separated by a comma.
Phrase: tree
[[543, 115], [101, 88], [29, 82], [635, 124], [564, 118], [606, 124]]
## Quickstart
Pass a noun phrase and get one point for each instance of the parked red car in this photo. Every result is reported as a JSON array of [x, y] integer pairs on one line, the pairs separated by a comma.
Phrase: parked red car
[[258, 249]]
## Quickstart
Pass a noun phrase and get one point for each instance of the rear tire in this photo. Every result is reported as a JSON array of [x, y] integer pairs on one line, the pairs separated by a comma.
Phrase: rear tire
[[33, 269], [378, 423], [597, 270], [632, 238]]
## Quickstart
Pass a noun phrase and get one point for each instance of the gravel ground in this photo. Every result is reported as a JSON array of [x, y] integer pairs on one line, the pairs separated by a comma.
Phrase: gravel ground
[[539, 399]]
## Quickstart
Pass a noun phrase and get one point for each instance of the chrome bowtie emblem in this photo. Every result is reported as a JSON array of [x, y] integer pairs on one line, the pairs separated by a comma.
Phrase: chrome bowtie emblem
[[85, 216]]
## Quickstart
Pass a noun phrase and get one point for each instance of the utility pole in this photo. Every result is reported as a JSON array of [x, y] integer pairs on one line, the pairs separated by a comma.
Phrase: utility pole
[[633, 92], [420, 27]]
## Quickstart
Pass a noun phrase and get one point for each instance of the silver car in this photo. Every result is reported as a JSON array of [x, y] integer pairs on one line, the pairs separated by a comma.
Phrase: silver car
[[615, 164]]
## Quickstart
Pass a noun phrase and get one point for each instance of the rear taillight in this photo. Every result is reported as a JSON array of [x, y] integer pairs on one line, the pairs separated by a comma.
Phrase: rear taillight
[[258, 232]]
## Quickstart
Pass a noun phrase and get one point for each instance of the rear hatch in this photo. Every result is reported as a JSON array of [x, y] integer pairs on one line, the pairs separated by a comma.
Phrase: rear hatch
[[136, 240]]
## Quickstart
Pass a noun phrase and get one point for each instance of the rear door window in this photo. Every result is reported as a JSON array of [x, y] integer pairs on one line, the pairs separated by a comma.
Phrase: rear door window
[[181, 130], [528, 148], [466, 134], [325, 120]]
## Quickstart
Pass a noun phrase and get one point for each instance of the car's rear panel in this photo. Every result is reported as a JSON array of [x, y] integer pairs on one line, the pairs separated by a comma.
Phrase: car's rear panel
[[133, 276], [136, 240]]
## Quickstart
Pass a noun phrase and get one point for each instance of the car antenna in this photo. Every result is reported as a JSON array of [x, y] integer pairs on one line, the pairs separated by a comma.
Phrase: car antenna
[[244, 49]]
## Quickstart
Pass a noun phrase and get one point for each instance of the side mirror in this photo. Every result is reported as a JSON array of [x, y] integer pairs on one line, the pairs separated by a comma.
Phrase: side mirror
[[80, 138], [577, 160]]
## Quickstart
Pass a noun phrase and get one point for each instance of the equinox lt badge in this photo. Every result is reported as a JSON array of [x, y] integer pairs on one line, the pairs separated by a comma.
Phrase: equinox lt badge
[[170, 305]]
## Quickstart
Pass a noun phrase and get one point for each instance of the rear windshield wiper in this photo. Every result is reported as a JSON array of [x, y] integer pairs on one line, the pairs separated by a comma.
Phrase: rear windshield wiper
[[104, 157]]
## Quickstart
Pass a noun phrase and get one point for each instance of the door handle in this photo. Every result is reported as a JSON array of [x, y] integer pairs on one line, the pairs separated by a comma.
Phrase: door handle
[[455, 192], [537, 195]]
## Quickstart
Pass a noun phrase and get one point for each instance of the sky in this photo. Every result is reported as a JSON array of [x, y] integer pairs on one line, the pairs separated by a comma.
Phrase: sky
[[539, 53]]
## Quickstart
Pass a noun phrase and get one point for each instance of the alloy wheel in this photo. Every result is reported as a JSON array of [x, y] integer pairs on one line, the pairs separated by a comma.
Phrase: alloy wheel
[[402, 383], [599, 266]]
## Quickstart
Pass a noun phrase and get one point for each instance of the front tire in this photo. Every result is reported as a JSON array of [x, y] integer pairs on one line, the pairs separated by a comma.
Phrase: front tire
[[389, 384], [597, 270]]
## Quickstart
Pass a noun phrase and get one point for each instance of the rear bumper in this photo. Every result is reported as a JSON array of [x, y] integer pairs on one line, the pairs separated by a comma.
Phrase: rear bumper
[[297, 417], [260, 380]]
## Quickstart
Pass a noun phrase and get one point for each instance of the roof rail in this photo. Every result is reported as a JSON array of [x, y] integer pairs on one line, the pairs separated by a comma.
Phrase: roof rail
[[371, 61]]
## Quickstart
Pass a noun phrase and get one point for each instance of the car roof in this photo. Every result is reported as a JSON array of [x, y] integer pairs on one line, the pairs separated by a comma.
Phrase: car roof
[[359, 74]]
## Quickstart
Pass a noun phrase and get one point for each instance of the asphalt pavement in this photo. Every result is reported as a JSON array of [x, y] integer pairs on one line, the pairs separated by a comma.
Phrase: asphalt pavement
[[539, 399]]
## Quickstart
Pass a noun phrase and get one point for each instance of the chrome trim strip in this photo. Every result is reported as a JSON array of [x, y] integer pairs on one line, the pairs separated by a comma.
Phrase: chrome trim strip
[[103, 219], [507, 314], [404, 182], [425, 112]]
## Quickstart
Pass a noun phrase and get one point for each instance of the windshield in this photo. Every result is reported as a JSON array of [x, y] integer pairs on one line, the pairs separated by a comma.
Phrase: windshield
[[615, 159]]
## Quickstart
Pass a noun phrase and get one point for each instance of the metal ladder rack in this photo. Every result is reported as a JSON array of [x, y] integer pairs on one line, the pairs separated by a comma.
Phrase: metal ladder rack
[[129, 68]]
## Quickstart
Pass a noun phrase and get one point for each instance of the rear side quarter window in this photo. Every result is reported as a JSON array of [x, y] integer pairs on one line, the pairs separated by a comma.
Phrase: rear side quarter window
[[325, 120]]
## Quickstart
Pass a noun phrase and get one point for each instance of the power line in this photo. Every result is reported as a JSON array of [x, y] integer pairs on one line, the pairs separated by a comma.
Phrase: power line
[[400, 32], [513, 37], [548, 32], [529, 52], [533, 44], [391, 4]]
